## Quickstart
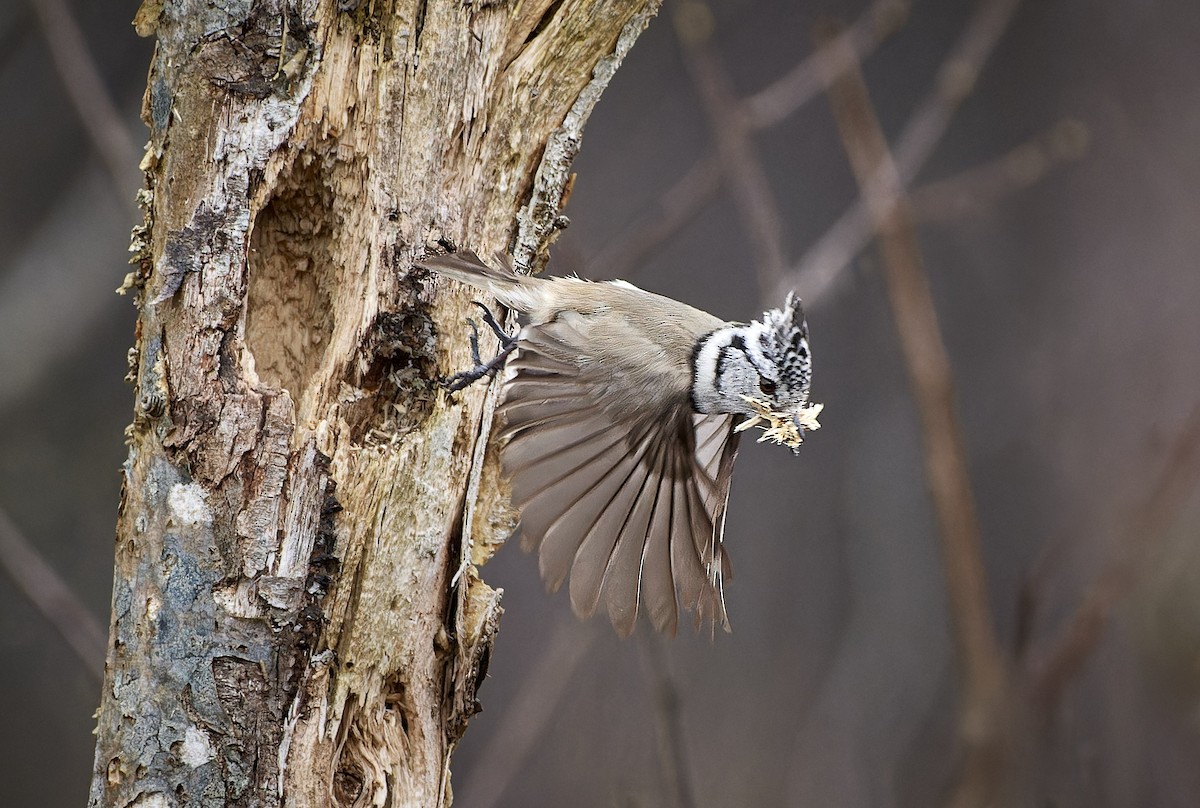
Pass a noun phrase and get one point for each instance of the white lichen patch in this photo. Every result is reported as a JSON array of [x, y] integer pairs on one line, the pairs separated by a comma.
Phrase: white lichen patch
[[188, 505], [152, 799], [153, 605], [196, 749], [786, 427]]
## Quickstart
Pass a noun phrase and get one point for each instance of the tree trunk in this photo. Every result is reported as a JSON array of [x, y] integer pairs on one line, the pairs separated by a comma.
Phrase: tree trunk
[[297, 617]]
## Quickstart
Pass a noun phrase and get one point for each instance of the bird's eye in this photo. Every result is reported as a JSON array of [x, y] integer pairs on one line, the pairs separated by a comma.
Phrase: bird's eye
[[767, 386]]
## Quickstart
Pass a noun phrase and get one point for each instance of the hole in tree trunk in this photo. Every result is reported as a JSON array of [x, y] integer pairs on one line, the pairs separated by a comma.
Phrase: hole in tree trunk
[[290, 313]]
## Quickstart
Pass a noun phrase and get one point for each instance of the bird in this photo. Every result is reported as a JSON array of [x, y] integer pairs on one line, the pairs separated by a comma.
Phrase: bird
[[619, 420]]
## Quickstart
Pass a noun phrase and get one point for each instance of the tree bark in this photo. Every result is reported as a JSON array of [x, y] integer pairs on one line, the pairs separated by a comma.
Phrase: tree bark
[[297, 615]]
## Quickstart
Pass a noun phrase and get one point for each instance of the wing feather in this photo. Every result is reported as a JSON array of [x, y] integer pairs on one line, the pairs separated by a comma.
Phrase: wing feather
[[547, 485], [657, 584], [549, 438], [710, 607], [603, 541], [687, 567], [711, 434], [543, 364], [624, 578], [631, 509], [544, 479], [563, 537]]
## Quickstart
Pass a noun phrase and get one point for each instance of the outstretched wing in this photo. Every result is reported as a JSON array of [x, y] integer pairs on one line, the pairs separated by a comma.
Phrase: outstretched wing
[[631, 507]]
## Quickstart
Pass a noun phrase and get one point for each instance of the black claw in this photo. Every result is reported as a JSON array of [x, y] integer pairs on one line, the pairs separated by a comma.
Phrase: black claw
[[505, 338], [474, 343], [508, 343]]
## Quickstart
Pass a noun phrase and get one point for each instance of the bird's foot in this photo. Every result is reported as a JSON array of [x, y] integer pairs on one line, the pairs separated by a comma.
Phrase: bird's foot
[[508, 343]]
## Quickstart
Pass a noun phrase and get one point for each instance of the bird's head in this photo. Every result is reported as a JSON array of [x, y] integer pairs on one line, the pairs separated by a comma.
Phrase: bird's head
[[760, 369]]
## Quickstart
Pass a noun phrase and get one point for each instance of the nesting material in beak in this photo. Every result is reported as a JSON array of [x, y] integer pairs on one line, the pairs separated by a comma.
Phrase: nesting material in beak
[[782, 427]]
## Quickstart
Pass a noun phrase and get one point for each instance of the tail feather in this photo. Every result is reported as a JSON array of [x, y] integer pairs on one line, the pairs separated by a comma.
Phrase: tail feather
[[466, 267]]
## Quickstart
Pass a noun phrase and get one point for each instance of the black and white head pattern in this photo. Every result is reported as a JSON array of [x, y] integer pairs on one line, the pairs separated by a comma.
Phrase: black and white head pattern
[[783, 342], [768, 360]]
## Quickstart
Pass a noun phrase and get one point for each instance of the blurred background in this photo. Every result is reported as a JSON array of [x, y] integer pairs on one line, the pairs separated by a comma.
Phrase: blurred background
[[1051, 152]]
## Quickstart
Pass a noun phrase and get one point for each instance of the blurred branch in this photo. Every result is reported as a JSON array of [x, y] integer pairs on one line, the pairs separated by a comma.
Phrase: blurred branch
[[931, 379], [672, 749], [979, 187], [50, 595], [809, 78], [93, 103], [969, 192], [528, 713], [824, 261], [696, 188], [740, 166], [1049, 672], [955, 82]]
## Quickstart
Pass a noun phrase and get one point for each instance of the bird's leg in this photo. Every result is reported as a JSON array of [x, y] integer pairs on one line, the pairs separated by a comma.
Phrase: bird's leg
[[506, 340], [508, 343]]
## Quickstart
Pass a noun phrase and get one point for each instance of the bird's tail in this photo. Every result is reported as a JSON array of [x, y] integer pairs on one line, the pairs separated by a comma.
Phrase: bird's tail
[[504, 284]]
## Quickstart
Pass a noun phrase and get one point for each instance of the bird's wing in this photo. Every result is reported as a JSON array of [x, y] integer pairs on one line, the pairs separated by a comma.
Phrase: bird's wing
[[631, 507]]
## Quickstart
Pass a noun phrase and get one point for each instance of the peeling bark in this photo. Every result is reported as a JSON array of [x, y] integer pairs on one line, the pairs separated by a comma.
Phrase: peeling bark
[[297, 614]]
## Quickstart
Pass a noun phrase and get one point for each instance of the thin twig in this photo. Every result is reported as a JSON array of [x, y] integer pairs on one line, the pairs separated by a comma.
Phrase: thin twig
[[53, 599], [743, 172], [982, 186], [692, 192], [672, 748], [969, 192], [931, 380], [820, 266], [956, 79], [1049, 672], [808, 79], [528, 714], [93, 103]]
